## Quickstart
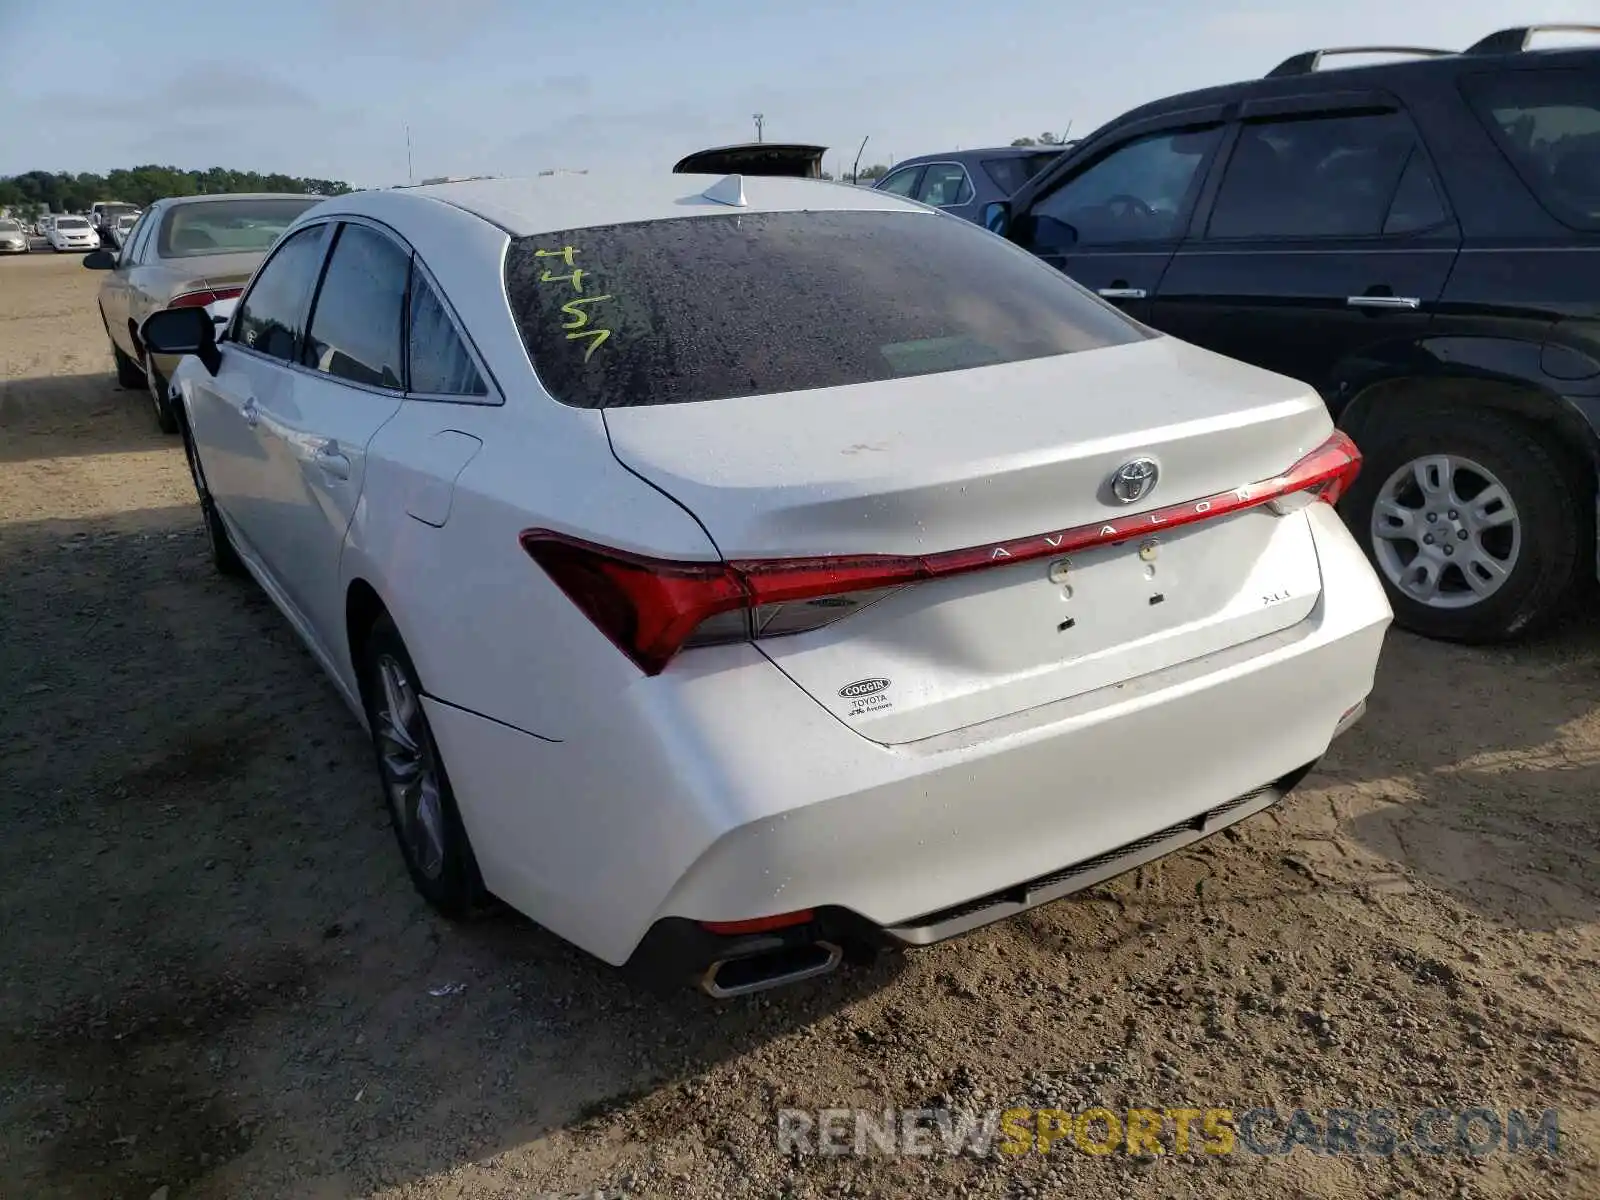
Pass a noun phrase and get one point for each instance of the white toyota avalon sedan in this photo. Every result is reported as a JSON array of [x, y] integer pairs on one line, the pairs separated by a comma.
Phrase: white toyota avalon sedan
[[736, 574]]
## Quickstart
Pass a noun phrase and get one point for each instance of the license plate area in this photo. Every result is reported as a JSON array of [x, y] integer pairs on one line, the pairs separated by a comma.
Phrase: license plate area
[[954, 652]]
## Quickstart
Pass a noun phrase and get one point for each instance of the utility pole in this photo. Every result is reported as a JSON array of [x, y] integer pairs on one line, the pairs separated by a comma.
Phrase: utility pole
[[410, 175], [760, 120]]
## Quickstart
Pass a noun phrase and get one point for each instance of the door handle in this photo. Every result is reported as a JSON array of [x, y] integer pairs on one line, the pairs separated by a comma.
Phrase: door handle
[[252, 414], [333, 464], [1407, 303], [1122, 293]]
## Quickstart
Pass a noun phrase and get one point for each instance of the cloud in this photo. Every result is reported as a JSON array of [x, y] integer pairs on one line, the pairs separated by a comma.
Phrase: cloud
[[428, 28], [233, 86], [227, 87]]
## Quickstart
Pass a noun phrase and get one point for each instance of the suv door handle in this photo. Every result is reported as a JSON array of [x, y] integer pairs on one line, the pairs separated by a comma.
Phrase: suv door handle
[[1121, 293], [334, 465], [251, 413], [1409, 303]]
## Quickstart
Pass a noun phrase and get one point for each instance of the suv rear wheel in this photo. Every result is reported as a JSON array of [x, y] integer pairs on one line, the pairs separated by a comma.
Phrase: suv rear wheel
[[1476, 521]]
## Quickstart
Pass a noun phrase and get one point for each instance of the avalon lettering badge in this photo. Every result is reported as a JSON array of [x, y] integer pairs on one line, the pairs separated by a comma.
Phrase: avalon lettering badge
[[863, 687]]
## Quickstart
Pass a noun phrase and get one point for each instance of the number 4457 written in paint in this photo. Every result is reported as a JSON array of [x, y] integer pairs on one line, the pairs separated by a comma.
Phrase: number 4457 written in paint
[[575, 310]]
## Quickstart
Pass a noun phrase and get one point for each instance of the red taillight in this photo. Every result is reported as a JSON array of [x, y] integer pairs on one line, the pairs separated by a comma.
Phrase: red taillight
[[651, 608], [202, 298], [759, 924]]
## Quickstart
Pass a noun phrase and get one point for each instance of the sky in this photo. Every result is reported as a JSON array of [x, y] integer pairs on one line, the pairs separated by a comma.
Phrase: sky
[[327, 88]]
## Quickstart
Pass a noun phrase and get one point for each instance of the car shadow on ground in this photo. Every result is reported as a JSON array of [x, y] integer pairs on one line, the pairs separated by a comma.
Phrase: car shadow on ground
[[1435, 705], [215, 960], [1473, 769], [74, 416]]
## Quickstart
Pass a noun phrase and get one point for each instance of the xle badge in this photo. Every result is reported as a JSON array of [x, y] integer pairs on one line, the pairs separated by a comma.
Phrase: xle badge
[[866, 695]]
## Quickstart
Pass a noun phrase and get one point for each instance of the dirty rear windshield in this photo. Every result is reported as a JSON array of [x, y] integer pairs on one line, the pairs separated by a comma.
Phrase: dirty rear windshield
[[741, 304]]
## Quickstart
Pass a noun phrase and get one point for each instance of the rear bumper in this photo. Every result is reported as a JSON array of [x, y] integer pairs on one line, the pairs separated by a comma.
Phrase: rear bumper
[[746, 799]]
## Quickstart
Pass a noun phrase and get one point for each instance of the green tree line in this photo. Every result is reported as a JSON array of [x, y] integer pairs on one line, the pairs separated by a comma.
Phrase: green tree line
[[63, 192]]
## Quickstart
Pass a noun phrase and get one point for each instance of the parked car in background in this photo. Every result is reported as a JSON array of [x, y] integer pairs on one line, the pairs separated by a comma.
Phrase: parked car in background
[[72, 233], [1412, 238], [105, 214], [965, 182], [651, 650], [13, 237], [123, 227], [183, 251]]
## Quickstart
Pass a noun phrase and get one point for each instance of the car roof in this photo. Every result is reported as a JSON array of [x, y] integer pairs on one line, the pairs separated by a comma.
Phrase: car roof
[[218, 197], [978, 152], [1374, 74], [548, 203]]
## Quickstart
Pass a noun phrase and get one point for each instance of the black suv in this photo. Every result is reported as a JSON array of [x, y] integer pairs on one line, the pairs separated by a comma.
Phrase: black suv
[[1420, 241]]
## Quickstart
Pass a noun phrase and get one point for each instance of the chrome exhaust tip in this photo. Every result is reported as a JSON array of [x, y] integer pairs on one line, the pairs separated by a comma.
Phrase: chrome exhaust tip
[[731, 977]]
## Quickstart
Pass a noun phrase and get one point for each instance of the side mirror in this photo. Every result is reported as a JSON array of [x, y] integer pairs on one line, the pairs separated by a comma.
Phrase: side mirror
[[997, 217], [100, 260], [183, 331]]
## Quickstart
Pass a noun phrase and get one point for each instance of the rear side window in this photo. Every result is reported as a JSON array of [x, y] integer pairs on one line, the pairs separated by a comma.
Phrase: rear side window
[[1332, 176], [355, 331], [704, 308], [228, 226], [270, 315], [1416, 205], [944, 184], [902, 182], [440, 364], [1012, 172], [1548, 125]]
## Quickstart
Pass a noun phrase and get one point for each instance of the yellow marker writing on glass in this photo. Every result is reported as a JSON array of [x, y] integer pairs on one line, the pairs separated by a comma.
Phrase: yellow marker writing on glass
[[579, 317], [599, 335]]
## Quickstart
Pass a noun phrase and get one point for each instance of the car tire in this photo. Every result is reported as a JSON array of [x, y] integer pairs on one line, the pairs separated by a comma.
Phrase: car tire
[[224, 557], [1525, 553], [129, 373], [166, 419], [437, 853]]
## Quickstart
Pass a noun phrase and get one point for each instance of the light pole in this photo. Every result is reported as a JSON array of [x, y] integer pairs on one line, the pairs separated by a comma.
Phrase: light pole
[[760, 120]]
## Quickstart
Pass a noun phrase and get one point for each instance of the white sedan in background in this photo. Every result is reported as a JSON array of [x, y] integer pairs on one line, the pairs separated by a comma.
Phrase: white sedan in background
[[72, 233], [733, 573]]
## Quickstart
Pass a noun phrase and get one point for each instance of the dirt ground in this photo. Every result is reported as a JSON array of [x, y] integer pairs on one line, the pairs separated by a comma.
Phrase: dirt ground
[[218, 982]]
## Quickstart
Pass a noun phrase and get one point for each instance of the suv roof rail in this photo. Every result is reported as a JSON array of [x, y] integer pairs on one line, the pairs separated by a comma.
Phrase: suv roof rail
[[1515, 40], [1308, 61]]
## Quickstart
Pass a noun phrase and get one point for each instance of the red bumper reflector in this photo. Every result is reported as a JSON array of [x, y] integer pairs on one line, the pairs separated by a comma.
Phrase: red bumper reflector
[[759, 924]]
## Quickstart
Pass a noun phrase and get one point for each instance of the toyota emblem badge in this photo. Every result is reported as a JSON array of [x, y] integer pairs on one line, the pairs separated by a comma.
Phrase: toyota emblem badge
[[1133, 481]]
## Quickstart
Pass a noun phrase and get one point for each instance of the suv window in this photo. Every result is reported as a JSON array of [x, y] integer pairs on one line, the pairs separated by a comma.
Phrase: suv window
[[944, 184], [1327, 176], [269, 316], [360, 309], [1009, 174], [1416, 205], [902, 182], [440, 364], [1137, 193], [686, 309], [1548, 124]]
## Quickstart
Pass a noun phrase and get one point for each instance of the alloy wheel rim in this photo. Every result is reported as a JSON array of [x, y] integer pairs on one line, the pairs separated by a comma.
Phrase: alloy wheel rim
[[1445, 531], [410, 773]]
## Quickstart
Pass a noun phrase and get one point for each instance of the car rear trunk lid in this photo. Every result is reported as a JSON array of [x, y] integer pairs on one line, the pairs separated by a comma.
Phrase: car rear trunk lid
[[969, 459]]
